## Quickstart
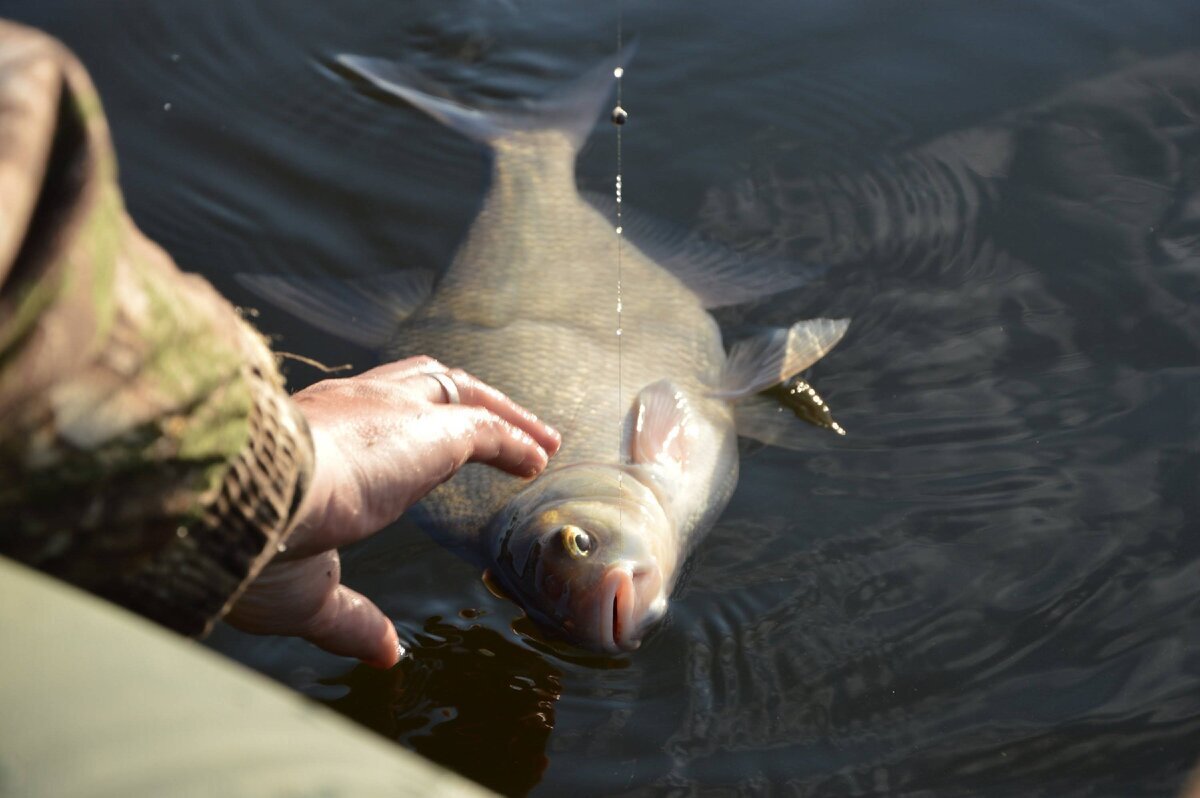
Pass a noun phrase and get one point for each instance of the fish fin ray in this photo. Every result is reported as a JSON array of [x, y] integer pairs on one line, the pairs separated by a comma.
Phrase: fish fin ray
[[770, 357], [662, 421], [718, 275], [572, 109], [363, 310]]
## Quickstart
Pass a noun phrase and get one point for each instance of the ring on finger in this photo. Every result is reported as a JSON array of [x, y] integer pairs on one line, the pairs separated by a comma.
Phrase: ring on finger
[[452, 395]]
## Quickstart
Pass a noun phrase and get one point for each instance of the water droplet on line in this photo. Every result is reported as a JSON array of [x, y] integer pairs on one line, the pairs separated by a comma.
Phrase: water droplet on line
[[618, 72]]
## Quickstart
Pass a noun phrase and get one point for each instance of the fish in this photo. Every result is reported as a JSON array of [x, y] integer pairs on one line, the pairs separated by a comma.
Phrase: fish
[[607, 337]]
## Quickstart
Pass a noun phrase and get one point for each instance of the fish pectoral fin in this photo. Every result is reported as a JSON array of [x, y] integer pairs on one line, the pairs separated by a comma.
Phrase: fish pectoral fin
[[363, 310], [716, 274], [770, 357], [662, 428], [573, 109]]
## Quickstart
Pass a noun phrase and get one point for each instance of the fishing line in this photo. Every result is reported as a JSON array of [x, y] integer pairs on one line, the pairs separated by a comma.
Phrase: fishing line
[[618, 118]]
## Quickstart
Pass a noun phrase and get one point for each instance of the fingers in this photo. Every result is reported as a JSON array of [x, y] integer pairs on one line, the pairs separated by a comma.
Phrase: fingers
[[471, 391], [384, 439], [350, 625], [304, 598], [474, 434], [287, 595], [474, 391]]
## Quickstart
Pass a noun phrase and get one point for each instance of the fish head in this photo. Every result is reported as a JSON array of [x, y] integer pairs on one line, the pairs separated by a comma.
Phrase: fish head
[[586, 550]]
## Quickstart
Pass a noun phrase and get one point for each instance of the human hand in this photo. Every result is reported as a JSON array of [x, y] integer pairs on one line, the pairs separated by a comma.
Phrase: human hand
[[382, 440]]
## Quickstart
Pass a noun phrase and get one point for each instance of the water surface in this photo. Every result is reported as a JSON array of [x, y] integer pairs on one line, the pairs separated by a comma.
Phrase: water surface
[[989, 587]]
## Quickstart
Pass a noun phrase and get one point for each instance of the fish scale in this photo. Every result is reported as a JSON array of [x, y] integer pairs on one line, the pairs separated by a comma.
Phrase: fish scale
[[649, 412], [547, 336]]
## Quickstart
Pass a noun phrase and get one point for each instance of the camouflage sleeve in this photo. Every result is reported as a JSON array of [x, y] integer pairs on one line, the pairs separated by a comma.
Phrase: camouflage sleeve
[[148, 451]]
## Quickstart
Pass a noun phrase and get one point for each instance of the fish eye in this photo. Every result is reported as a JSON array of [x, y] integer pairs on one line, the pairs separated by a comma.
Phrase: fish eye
[[576, 541]]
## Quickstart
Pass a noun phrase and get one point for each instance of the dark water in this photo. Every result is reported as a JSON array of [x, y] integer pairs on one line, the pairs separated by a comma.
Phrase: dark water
[[991, 586]]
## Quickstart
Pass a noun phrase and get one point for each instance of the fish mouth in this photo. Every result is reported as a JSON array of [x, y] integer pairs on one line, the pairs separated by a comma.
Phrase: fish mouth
[[618, 600], [629, 601]]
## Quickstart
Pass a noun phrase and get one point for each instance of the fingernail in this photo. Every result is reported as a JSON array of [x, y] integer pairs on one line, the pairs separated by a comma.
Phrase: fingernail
[[533, 464]]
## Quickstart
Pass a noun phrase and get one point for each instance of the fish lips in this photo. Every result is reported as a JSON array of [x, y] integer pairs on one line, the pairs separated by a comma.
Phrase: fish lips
[[625, 604], [612, 618]]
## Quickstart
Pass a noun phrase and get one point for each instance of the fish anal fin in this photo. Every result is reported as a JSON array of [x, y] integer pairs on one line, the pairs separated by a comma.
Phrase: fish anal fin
[[770, 357], [763, 419], [363, 310]]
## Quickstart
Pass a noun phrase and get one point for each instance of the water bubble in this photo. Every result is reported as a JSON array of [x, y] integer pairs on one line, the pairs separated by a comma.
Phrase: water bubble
[[166, 106]]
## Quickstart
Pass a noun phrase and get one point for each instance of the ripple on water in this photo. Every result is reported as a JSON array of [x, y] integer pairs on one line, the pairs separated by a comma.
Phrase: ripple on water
[[988, 587]]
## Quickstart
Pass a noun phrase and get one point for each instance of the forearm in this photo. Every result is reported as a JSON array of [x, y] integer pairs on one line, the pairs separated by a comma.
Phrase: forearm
[[148, 452]]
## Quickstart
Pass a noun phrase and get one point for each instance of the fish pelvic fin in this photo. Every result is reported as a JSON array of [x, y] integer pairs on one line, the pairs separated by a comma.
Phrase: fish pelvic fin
[[770, 357], [572, 109]]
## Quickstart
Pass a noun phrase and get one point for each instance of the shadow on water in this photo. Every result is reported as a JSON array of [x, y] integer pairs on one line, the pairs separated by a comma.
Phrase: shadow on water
[[467, 697]]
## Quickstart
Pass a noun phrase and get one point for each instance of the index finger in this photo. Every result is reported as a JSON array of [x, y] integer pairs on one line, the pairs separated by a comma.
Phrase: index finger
[[474, 391]]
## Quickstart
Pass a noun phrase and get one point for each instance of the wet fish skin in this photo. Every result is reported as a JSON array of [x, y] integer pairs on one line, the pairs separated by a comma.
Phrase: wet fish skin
[[545, 301], [529, 305]]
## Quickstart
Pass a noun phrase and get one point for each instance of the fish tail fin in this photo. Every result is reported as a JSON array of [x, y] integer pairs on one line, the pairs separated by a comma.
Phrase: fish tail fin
[[770, 357], [572, 109]]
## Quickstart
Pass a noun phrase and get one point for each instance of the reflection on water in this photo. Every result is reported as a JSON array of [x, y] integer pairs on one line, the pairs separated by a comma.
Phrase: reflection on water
[[988, 587], [466, 697]]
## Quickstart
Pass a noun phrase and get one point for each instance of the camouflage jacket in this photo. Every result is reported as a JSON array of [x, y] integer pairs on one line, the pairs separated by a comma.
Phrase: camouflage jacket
[[148, 451]]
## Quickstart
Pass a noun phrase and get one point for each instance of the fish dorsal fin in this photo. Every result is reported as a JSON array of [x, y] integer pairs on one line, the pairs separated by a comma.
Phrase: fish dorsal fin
[[716, 274], [572, 109], [363, 310], [770, 357], [661, 431]]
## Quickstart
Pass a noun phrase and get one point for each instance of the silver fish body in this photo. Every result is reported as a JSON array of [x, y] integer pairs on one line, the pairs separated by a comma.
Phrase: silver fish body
[[529, 305], [546, 301]]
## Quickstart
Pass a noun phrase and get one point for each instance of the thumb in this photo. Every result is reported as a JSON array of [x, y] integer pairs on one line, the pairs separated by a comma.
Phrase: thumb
[[348, 624]]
